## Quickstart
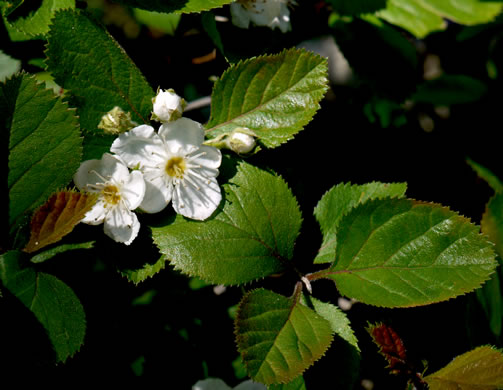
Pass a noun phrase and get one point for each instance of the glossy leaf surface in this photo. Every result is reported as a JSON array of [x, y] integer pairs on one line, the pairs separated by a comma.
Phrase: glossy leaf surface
[[250, 236], [401, 252], [275, 96]]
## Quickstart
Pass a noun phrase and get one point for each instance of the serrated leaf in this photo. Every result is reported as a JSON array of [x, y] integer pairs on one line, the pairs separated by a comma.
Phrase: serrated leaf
[[87, 61], [297, 384], [337, 319], [275, 96], [36, 23], [57, 217], [352, 7], [390, 346], [251, 235], [44, 145], [478, 369], [7, 7], [401, 253], [421, 17], [147, 271], [278, 338], [52, 302], [338, 201], [180, 6], [485, 174], [448, 90]]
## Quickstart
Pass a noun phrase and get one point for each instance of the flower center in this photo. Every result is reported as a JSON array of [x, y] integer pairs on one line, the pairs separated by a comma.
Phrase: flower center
[[111, 194], [176, 167]]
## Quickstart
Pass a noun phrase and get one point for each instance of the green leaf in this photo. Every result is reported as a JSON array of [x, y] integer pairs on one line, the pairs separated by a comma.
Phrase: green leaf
[[447, 90], [338, 320], [7, 7], [250, 236], [275, 96], [44, 145], [297, 384], [484, 173], [57, 217], [87, 61], [401, 253], [52, 302], [160, 21], [492, 222], [352, 7], [181, 6], [8, 66], [421, 17], [278, 338], [50, 253], [478, 369], [147, 271], [489, 297], [36, 23], [339, 200]]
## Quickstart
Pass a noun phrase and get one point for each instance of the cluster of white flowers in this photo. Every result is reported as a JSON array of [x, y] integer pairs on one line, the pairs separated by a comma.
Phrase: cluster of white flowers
[[269, 13], [171, 165]]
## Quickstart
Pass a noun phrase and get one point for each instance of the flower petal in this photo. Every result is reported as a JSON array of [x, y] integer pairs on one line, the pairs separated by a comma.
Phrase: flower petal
[[182, 135], [140, 145], [121, 225], [197, 202], [85, 175], [157, 193], [133, 191], [240, 17], [212, 157], [96, 215]]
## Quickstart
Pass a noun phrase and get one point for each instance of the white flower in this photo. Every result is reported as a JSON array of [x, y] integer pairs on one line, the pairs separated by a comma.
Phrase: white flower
[[270, 13], [176, 167], [119, 193], [168, 106]]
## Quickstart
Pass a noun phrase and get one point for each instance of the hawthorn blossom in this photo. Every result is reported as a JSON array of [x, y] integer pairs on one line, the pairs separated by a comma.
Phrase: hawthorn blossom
[[119, 192], [168, 106], [176, 166], [270, 13]]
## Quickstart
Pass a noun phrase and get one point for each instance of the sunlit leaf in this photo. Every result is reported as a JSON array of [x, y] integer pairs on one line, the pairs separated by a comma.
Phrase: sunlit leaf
[[275, 96], [338, 201], [36, 23], [278, 337], [44, 144], [52, 302], [421, 17], [147, 271], [181, 6], [57, 217], [401, 252], [250, 236], [8, 66], [478, 369], [87, 61], [296, 384]]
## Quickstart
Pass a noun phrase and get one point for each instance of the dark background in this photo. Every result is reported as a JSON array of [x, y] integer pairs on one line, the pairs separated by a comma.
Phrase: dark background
[[178, 335]]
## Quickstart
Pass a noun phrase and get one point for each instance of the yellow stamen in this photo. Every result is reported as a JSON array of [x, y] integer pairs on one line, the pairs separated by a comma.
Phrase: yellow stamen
[[111, 194], [176, 167]]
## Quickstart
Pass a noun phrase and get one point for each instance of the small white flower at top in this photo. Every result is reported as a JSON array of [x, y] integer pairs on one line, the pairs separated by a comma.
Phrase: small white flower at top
[[269, 13], [119, 192], [176, 166], [168, 106]]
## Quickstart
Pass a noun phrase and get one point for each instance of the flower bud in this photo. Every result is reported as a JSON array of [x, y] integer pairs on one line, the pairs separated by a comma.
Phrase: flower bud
[[116, 121], [241, 140], [168, 106]]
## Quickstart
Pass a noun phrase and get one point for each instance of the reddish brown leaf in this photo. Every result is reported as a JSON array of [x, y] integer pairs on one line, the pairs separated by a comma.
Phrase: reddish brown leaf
[[57, 217], [390, 346]]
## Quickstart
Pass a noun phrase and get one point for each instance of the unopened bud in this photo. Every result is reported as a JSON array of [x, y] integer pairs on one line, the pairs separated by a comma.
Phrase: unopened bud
[[168, 106], [241, 140], [116, 121]]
